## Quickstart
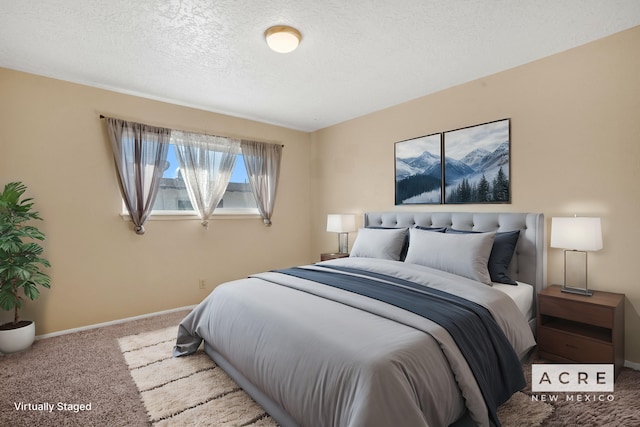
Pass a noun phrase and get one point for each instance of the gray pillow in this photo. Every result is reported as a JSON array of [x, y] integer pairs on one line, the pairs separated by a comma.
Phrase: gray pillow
[[383, 243], [504, 246], [462, 254], [405, 246]]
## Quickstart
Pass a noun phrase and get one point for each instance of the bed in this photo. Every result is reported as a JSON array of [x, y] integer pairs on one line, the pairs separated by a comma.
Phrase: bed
[[395, 334]]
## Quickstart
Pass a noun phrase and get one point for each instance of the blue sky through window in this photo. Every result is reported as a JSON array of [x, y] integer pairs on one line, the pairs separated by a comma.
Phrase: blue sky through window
[[239, 171]]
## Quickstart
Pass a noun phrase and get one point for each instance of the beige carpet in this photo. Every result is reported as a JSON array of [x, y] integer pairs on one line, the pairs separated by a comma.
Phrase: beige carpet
[[193, 390], [520, 411]]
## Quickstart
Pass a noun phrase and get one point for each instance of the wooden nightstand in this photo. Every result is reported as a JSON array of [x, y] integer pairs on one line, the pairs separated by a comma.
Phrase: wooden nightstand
[[580, 329], [327, 256]]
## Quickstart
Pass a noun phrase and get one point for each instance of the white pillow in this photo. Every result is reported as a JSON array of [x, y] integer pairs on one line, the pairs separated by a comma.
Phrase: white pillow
[[383, 243], [462, 254]]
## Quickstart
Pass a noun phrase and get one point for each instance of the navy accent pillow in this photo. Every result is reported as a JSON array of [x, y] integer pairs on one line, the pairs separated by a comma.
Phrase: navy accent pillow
[[405, 247], [502, 251]]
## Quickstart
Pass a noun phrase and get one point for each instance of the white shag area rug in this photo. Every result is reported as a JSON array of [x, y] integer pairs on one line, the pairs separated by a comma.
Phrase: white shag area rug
[[193, 390], [189, 390]]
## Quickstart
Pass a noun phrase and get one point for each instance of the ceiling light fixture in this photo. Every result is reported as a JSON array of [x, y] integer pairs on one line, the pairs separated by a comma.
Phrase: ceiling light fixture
[[282, 38]]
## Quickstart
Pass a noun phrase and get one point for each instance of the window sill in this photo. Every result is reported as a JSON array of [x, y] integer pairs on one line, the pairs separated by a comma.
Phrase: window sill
[[191, 216]]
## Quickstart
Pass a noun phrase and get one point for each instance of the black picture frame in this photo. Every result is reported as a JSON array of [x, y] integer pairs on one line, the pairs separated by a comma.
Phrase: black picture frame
[[470, 165], [477, 164], [418, 170]]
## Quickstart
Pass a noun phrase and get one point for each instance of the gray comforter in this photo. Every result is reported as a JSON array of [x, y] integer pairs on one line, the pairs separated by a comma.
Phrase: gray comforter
[[329, 357]]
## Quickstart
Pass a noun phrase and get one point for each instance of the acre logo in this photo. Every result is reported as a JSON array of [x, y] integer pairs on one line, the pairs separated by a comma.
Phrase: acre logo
[[573, 378]]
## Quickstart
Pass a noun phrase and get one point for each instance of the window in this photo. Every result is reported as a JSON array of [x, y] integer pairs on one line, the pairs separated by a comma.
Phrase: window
[[172, 194], [215, 176], [172, 198]]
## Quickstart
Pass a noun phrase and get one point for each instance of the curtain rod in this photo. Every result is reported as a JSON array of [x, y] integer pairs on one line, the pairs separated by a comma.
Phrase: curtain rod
[[103, 117]]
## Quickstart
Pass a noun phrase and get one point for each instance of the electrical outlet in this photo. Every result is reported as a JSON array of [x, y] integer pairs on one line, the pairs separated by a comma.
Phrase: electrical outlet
[[202, 284]]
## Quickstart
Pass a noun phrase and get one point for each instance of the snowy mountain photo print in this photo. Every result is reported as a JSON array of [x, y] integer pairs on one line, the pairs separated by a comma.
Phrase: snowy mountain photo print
[[476, 166], [419, 170]]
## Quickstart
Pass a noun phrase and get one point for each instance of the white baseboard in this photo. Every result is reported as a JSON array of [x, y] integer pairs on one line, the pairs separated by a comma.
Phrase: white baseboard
[[113, 322], [632, 365]]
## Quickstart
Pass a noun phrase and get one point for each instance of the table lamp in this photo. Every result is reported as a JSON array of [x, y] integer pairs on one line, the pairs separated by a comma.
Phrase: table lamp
[[577, 236], [341, 224]]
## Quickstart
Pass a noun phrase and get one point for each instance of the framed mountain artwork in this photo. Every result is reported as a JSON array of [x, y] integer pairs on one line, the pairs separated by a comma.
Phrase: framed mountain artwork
[[467, 165], [477, 163], [418, 170]]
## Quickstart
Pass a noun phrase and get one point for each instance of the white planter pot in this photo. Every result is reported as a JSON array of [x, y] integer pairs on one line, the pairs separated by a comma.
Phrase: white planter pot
[[14, 340]]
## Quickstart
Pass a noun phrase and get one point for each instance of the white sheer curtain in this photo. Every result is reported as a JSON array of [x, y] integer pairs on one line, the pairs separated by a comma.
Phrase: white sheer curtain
[[262, 161], [140, 153], [206, 163]]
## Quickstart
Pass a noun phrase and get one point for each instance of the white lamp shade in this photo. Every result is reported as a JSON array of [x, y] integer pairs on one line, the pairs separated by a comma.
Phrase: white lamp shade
[[576, 233], [341, 223]]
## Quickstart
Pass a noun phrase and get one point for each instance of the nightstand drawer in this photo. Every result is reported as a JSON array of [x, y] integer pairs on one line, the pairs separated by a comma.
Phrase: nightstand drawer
[[574, 347], [577, 311]]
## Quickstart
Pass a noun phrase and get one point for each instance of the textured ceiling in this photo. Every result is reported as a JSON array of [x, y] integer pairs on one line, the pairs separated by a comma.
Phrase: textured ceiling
[[356, 56]]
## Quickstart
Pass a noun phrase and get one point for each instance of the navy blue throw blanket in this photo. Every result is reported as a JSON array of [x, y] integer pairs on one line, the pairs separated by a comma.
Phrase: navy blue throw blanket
[[486, 349]]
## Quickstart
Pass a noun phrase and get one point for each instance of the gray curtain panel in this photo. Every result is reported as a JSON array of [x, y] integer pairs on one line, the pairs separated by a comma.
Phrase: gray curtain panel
[[262, 161], [140, 153]]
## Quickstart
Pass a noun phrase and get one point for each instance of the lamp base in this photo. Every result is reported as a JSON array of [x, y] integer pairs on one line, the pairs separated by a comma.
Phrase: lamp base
[[343, 243], [577, 258], [577, 291]]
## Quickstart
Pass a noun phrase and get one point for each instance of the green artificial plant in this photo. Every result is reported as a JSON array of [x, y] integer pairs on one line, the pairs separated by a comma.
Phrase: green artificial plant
[[20, 255]]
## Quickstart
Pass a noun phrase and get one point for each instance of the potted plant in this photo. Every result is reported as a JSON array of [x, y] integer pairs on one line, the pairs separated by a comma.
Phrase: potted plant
[[20, 265]]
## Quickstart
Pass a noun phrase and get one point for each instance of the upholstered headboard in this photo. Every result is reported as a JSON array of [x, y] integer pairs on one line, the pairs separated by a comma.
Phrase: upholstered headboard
[[529, 262]]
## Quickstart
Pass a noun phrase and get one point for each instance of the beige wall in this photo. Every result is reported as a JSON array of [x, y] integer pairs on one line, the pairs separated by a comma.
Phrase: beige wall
[[52, 139], [575, 149]]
